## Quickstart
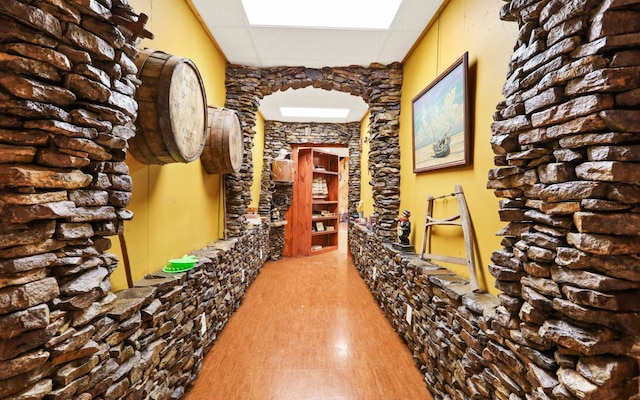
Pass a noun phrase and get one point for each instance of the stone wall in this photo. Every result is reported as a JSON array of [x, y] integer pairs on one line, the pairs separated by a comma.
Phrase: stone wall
[[283, 135], [566, 143], [145, 342], [355, 173], [378, 85], [67, 82], [459, 340], [67, 85], [566, 149], [449, 328]]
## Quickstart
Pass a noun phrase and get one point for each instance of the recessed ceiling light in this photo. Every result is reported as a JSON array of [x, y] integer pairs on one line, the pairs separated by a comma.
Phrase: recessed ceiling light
[[346, 14], [307, 112]]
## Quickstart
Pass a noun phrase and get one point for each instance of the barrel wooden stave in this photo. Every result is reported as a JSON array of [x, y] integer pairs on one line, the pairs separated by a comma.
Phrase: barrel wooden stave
[[172, 116], [282, 170], [223, 150]]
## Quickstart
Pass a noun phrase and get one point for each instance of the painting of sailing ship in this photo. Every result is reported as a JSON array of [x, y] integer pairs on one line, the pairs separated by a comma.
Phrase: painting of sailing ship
[[441, 136]]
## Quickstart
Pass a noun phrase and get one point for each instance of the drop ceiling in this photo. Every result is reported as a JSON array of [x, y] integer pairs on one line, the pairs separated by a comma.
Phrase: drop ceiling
[[270, 46]]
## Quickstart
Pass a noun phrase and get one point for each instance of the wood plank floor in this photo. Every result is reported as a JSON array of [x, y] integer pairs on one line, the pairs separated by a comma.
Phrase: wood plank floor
[[309, 329]]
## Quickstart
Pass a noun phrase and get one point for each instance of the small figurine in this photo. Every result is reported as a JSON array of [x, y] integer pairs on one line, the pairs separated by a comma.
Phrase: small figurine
[[404, 227]]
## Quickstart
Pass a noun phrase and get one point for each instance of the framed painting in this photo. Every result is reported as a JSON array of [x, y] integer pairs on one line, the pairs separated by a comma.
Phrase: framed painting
[[441, 133]]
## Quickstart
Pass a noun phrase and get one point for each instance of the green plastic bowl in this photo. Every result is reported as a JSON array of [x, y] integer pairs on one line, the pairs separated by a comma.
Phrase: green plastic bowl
[[181, 264]]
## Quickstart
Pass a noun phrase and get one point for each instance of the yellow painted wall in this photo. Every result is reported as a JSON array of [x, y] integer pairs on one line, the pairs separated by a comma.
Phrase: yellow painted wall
[[177, 207], [473, 26], [366, 193], [258, 159]]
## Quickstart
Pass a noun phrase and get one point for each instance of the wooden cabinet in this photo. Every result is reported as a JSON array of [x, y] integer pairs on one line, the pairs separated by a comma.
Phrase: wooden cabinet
[[315, 203]]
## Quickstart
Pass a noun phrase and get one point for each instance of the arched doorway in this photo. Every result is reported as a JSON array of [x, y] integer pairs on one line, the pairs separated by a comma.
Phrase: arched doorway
[[378, 85]]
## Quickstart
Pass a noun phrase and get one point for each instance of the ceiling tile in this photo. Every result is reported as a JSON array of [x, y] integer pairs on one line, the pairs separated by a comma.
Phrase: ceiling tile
[[221, 12], [252, 62], [317, 45], [243, 46], [278, 62], [415, 15], [313, 48], [396, 46]]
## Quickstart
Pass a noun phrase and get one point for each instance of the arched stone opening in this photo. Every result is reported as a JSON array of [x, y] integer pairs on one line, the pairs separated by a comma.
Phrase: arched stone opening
[[278, 196], [378, 85], [283, 136]]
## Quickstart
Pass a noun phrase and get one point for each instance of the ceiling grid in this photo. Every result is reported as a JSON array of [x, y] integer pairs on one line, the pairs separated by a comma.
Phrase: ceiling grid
[[271, 46]]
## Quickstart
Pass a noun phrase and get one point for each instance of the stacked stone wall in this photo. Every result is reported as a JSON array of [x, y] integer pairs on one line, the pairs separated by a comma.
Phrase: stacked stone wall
[[566, 143], [565, 325], [459, 342], [378, 85], [67, 85], [444, 323], [145, 342], [283, 135]]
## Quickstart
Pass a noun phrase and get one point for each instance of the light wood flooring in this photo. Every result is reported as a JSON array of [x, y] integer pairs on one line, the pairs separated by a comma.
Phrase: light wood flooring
[[309, 329]]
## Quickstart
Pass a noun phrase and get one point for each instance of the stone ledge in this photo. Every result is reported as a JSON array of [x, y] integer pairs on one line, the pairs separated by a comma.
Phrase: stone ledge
[[172, 320], [446, 314]]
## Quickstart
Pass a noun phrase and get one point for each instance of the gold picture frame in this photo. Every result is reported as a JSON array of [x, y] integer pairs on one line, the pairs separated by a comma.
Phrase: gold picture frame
[[441, 129]]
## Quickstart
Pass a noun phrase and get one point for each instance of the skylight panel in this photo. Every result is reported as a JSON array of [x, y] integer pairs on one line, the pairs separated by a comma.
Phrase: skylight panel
[[336, 14], [307, 112]]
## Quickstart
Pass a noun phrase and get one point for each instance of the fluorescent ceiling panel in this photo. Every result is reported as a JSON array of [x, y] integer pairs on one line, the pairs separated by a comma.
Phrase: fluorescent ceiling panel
[[308, 112], [344, 14]]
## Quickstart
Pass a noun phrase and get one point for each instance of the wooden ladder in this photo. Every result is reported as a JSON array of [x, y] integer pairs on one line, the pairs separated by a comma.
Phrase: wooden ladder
[[462, 219]]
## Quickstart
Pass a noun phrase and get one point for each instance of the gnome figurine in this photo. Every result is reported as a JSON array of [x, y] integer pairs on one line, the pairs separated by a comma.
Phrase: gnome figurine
[[404, 227]]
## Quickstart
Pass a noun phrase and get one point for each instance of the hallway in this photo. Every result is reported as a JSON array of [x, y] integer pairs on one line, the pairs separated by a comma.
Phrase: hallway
[[309, 330]]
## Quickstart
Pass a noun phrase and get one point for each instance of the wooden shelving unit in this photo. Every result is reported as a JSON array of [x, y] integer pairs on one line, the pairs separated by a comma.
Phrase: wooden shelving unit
[[315, 203]]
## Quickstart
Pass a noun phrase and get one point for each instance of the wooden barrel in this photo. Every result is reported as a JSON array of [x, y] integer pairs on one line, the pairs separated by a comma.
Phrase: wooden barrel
[[282, 170], [172, 110], [223, 147]]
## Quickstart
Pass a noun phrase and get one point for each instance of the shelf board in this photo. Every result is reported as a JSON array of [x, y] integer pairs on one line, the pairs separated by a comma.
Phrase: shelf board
[[324, 249], [325, 232], [315, 201], [327, 218], [325, 172]]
